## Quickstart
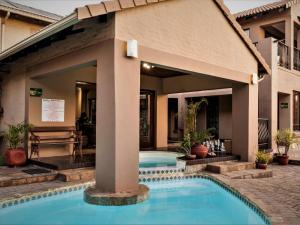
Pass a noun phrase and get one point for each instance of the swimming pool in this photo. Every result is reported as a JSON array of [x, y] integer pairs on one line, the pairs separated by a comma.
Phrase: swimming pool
[[193, 201], [150, 159]]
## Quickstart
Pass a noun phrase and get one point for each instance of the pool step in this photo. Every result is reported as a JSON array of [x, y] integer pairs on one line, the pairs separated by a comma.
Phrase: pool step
[[250, 174], [229, 166], [86, 174], [82, 174]]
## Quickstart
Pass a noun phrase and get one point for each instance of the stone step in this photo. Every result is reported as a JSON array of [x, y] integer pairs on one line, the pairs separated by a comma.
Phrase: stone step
[[250, 174], [23, 178], [229, 166], [82, 174]]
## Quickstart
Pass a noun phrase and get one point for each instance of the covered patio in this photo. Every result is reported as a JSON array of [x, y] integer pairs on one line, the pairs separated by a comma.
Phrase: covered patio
[[181, 59]]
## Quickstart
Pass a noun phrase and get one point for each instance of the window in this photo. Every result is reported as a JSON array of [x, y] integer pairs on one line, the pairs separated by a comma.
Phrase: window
[[296, 120], [247, 31]]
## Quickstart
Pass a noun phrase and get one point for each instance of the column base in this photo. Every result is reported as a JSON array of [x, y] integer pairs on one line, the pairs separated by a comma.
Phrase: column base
[[95, 197]]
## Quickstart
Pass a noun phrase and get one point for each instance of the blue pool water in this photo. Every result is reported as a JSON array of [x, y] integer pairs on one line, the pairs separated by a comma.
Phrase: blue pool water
[[158, 159], [195, 201]]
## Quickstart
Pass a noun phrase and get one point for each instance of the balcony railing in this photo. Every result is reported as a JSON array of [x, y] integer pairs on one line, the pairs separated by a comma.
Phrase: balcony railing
[[283, 55], [297, 59]]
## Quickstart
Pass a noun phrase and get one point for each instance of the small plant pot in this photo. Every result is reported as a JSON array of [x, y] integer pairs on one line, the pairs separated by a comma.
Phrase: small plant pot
[[15, 157], [283, 159], [190, 157], [261, 166], [200, 151]]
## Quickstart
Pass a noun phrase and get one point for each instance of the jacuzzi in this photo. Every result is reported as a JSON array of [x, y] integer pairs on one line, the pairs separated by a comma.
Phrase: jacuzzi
[[159, 159]]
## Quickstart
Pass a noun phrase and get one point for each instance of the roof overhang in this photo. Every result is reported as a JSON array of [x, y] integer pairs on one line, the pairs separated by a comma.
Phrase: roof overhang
[[27, 14], [262, 10]]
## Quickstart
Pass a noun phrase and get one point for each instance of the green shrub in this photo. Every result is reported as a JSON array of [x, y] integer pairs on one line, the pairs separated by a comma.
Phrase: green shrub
[[262, 158], [285, 138]]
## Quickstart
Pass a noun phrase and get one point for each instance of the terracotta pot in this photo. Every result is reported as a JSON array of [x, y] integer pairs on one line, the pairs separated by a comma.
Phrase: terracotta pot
[[261, 166], [15, 157], [283, 159], [200, 151], [190, 157]]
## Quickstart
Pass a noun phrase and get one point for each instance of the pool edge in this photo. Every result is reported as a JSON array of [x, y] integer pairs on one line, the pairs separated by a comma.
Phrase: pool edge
[[12, 201]]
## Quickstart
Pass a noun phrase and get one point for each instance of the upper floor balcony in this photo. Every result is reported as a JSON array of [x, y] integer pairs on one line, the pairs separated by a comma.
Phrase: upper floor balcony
[[284, 56]]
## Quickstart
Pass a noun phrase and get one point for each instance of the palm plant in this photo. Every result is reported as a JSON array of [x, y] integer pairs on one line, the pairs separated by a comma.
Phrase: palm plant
[[191, 115], [15, 134]]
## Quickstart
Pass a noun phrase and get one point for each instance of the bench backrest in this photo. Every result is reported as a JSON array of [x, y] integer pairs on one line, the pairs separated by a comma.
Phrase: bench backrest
[[53, 129]]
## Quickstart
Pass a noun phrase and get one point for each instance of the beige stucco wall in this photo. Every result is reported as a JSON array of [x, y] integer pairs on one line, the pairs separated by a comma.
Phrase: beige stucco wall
[[15, 30], [225, 117], [185, 29], [13, 99], [57, 86]]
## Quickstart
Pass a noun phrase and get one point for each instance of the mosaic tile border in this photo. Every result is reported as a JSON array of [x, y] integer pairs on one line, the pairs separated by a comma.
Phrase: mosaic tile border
[[43, 194], [63, 190], [161, 171]]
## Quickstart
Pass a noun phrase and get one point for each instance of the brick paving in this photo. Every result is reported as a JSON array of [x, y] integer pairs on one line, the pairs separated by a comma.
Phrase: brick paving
[[21, 190], [278, 196], [16, 176]]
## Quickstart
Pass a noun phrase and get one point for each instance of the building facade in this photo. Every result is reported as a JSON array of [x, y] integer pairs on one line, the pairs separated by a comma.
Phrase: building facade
[[275, 30], [18, 22]]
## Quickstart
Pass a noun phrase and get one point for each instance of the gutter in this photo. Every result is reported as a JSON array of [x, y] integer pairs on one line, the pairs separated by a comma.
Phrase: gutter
[[28, 14], [44, 33]]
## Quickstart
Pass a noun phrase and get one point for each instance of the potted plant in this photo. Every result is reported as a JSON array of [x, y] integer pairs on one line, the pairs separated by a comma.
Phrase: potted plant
[[262, 160], [15, 154], [186, 147], [284, 138], [198, 138]]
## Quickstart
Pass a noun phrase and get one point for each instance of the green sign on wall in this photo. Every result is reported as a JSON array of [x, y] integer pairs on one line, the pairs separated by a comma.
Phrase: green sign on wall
[[36, 92], [284, 105]]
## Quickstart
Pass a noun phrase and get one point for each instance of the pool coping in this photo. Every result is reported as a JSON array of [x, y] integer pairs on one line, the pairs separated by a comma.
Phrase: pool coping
[[12, 201]]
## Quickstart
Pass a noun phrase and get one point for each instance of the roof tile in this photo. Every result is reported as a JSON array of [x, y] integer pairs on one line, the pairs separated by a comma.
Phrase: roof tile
[[112, 6], [151, 1], [96, 9], [126, 4], [83, 13], [140, 2]]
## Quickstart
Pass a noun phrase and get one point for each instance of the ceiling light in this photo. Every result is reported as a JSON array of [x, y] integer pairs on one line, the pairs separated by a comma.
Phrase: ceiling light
[[147, 66]]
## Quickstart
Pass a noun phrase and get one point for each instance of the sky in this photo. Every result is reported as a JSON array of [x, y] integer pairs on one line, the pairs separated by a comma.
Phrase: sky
[[65, 7]]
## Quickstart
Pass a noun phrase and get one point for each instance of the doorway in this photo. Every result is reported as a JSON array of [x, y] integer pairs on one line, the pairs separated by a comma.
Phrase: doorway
[[147, 119], [86, 112]]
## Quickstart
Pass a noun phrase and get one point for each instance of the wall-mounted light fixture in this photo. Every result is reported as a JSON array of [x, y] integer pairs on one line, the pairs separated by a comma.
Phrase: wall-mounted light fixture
[[254, 78], [132, 48]]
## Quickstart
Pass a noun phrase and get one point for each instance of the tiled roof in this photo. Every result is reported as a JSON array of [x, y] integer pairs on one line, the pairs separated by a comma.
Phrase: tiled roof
[[108, 6], [23, 8], [265, 8]]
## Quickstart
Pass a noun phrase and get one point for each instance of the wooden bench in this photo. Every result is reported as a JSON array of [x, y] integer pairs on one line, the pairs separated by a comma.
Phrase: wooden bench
[[69, 136]]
